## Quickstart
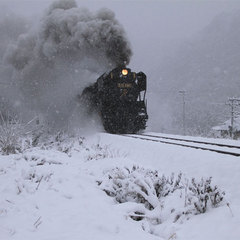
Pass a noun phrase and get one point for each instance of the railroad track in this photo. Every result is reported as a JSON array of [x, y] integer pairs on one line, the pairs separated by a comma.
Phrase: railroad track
[[202, 145]]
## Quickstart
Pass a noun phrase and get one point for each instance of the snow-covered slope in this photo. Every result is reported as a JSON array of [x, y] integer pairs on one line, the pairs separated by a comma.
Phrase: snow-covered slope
[[53, 193], [207, 68]]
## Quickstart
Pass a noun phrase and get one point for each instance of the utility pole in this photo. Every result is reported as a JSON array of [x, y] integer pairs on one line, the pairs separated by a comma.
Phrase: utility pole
[[183, 92], [233, 102]]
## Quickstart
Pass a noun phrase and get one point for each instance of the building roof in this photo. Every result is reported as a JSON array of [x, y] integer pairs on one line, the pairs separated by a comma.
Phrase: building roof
[[226, 125]]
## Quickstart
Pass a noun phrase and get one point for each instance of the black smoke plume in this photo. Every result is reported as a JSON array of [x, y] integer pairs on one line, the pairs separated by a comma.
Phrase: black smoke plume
[[52, 63]]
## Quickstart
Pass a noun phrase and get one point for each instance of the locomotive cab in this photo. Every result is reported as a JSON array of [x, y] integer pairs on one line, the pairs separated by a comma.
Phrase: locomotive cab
[[142, 81]]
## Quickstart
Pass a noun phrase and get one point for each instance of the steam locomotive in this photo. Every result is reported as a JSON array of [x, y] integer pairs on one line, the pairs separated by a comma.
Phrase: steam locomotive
[[119, 98]]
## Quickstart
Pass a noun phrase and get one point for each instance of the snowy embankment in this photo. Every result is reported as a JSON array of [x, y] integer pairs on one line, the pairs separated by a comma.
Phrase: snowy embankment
[[55, 192]]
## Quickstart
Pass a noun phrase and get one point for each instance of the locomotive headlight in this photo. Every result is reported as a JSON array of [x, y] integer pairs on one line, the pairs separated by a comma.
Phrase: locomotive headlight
[[124, 72]]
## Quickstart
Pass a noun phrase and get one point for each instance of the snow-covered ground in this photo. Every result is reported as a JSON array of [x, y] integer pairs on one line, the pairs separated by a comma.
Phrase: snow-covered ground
[[53, 193]]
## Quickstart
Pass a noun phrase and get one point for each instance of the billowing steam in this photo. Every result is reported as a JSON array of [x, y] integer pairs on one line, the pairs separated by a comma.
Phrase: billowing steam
[[51, 64]]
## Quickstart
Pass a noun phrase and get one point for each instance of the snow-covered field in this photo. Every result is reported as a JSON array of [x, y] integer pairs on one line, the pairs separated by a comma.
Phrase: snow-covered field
[[55, 192]]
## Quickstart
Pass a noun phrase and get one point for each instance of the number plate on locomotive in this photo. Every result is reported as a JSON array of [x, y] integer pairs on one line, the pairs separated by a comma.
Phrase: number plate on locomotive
[[124, 85]]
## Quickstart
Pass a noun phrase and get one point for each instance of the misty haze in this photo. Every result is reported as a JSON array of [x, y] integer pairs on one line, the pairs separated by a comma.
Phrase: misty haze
[[49, 59], [119, 119]]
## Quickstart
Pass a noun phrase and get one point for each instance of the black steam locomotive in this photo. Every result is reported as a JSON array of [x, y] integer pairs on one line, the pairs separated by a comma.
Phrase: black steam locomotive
[[119, 97]]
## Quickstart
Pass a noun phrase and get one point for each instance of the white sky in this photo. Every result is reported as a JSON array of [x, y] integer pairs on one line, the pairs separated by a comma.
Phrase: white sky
[[149, 24]]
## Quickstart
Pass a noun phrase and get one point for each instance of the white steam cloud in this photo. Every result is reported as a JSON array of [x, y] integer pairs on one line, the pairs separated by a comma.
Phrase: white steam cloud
[[52, 63]]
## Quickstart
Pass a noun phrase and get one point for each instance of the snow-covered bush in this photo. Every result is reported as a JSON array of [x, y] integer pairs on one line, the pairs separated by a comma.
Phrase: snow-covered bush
[[10, 141], [99, 151], [15, 136], [203, 194], [61, 141], [39, 159], [157, 198], [31, 180], [9, 129]]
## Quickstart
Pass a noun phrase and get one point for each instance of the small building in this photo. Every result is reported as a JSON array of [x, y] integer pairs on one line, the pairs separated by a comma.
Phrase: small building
[[224, 130]]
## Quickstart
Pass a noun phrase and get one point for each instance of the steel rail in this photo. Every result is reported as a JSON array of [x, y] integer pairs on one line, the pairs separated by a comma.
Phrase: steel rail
[[183, 145], [193, 141]]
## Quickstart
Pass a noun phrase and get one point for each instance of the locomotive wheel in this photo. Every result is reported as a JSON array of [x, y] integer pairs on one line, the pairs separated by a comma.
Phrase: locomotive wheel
[[121, 126]]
